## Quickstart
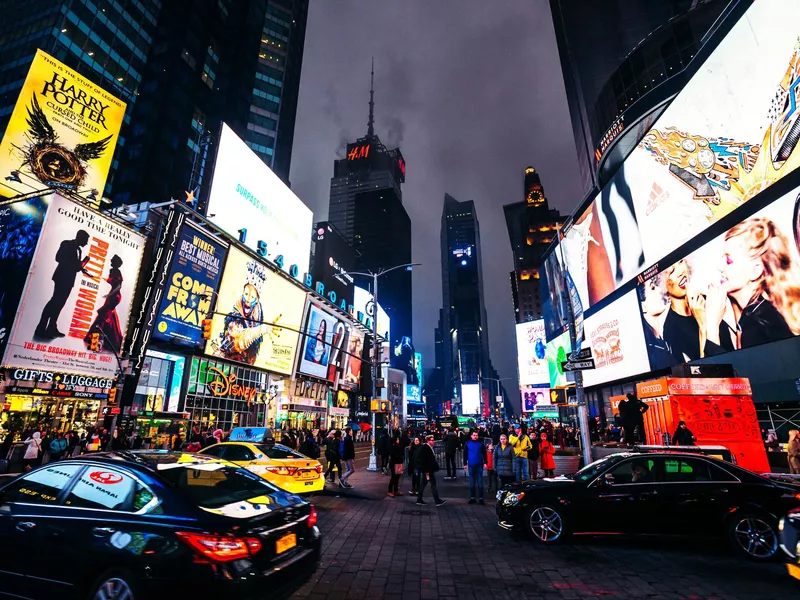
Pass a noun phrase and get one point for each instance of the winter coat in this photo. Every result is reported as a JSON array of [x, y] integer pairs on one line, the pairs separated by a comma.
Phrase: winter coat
[[683, 437], [521, 445], [413, 455], [533, 453], [481, 451], [32, 446], [451, 443], [546, 452], [349, 452], [426, 460], [504, 460], [332, 450], [396, 455]]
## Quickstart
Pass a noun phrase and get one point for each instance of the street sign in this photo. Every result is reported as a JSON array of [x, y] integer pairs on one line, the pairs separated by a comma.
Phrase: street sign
[[577, 365], [582, 354]]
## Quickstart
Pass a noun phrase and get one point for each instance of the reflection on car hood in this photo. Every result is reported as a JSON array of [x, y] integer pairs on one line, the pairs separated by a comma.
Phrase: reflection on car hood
[[257, 506], [546, 482]]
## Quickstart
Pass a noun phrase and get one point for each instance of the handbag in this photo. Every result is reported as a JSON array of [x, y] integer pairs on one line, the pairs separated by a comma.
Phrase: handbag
[[398, 469]]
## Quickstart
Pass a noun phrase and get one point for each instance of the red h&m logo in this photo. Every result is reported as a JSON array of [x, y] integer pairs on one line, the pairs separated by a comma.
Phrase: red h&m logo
[[358, 152]]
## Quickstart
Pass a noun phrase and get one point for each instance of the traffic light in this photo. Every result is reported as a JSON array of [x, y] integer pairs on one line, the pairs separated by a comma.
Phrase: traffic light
[[206, 329], [112, 396], [94, 342]]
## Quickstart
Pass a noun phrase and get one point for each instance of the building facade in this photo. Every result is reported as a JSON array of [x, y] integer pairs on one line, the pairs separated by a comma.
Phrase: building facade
[[532, 226]]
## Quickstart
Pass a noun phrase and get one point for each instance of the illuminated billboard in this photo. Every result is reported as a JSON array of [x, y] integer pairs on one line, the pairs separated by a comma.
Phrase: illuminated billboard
[[352, 364], [534, 398], [362, 303], [62, 133], [727, 136], [617, 342], [191, 284], [470, 399], [253, 305], [334, 258], [250, 202], [326, 335], [81, 283], [556, 352], [531, 353]]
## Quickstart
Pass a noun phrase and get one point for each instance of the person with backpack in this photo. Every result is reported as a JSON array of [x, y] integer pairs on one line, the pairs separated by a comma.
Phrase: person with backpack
[[57, 447]]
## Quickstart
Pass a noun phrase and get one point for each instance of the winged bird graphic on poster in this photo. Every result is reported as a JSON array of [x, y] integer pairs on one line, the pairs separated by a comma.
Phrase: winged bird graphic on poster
[[51, 162]]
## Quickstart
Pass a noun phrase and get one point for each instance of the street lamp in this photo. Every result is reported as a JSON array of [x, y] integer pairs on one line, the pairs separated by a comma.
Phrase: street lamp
[[373, 459], [498, 386]]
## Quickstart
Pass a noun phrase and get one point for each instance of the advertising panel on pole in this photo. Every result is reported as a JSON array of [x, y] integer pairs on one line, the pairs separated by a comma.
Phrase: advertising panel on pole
[[81, 283], [470, 398], [616, 338], [325, 337], [251, 203], [531, 348], [746, 281], [253, 304], [556, 352], [62, 133], [191, 284], [352, 365], [20, 226], [533, 398]]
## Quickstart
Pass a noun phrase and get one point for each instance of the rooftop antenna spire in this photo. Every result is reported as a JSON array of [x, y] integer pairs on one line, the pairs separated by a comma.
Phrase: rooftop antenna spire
[[371, 123]]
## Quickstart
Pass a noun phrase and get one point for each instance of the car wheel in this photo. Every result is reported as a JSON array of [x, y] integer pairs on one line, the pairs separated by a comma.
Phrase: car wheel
[[546, 524], [754, 536], [114, 584]]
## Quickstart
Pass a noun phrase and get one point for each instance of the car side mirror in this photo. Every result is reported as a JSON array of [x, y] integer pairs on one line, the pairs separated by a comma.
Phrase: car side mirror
[[607, 479]]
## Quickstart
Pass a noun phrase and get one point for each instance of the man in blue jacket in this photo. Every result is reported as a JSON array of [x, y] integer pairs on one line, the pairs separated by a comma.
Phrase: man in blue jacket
[[474, 459]]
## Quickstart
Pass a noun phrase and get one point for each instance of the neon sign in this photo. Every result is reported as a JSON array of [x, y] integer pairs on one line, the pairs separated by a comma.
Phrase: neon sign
[[225, 385], [359, 152]]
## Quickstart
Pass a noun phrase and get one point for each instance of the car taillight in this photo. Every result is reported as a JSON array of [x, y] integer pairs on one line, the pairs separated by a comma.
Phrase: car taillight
[[282, 470], [318, 468], [220, 548], [312, 518]]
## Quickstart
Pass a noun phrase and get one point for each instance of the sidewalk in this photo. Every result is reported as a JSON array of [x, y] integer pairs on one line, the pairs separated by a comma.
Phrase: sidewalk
[[373, 485]]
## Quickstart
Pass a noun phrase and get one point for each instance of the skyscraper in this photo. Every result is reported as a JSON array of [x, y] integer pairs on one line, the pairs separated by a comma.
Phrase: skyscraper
[[182, 67], [463, 327], [532, 226], [366, 206]]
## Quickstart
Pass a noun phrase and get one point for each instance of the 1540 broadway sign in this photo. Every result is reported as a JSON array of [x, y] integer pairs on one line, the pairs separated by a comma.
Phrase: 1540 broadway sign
[[62, 132]]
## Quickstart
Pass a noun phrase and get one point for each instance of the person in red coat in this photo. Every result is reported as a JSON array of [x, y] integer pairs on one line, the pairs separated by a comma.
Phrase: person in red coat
[[546, 453]]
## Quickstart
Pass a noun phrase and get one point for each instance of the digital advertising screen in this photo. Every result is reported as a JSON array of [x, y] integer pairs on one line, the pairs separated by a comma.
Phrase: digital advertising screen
[[325, 337], [470, 399], [740, 289], [20, 226], [617, 342], [80, 283], [531, 353], [62, 133], [351, 362], [362, 302], [246, 194], [333, 259], [533, 398], [551, 288], [253, 304], [557, 351], [192, 282]]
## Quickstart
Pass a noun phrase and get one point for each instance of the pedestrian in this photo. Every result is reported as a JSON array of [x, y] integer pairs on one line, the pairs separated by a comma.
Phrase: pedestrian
[[309, 447], [348, 452], [333, 456], [177, 441], [383, 450], [413, 469], [474, 459], [396, 459], [683, 436], [533, 456], [5, 447], [57, 447], [33, 447], [504, 461], [521, 444], [428, 467], [632, 411], [546, 452], [491, 486], [793, 452], [451, 444]]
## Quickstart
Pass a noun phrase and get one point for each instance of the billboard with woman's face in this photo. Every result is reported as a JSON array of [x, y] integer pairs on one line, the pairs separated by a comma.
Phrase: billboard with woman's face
[[324, 344]]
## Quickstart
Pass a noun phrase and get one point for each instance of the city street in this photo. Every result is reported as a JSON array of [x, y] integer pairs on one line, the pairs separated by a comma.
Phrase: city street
[[380, 547]]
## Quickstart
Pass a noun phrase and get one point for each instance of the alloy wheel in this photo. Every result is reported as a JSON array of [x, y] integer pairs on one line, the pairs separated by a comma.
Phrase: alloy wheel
[[546, 524], [756, 537], [113, 589]]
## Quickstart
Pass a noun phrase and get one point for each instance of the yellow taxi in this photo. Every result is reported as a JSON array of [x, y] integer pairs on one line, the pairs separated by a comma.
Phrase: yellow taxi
[[280, 465]]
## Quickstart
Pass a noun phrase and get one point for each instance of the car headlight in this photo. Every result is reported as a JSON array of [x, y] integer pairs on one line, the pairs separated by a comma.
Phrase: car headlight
[[512, 499], [781, 524]]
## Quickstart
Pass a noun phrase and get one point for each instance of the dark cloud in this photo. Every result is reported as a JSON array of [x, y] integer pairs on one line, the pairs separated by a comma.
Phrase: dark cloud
[[472, 92]]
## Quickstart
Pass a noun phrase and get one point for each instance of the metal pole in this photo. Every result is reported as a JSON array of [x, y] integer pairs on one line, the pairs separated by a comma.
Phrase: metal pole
[[373, 459], [583, 413]]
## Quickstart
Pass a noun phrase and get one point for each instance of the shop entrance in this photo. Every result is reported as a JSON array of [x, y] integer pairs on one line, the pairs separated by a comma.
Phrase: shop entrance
[[47, 413]]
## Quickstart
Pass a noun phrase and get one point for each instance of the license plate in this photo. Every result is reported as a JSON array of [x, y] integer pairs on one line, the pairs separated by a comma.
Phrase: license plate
[[310, 482], [794, 571], [308, 475], [287, 542]]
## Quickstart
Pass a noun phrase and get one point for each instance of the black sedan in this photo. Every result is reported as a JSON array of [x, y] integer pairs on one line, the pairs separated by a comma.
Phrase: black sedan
[[133, 525], [661, 493]]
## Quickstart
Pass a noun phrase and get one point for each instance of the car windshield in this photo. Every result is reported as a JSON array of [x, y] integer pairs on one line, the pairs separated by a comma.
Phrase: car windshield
[[278, 452], [591, 470], [213, 485]]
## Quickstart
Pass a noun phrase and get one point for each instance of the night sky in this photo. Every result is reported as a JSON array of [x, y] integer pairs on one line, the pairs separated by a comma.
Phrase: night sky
[[472, 93]]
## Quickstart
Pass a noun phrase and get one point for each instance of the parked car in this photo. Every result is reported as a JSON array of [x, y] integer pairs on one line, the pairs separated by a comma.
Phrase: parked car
[[789, 527], [278, 464], [148, 524], [663, 493]]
